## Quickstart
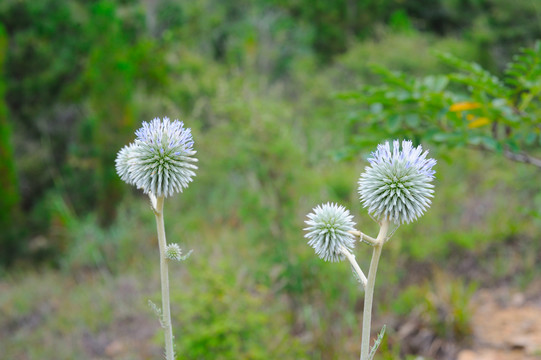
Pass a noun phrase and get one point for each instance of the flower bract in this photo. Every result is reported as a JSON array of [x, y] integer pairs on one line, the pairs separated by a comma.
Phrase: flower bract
[[397, 184], [328, 231]]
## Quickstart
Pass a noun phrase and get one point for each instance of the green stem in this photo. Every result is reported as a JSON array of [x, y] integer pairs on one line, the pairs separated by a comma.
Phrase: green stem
[[369, 291], [166, 312]]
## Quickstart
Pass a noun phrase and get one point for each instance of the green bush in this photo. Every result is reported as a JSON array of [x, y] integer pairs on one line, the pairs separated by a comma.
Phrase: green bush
[[223, 314], [9, 186], [468, 108]]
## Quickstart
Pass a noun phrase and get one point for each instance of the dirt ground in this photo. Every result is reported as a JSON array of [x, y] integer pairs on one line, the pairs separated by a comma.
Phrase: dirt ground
[[506, 325]]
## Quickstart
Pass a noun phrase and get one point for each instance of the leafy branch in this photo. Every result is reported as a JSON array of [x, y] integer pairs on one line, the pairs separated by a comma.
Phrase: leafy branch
[[469, 107]]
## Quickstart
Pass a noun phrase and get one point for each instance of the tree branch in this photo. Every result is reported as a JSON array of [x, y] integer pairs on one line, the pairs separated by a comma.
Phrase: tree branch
[[523, 158]]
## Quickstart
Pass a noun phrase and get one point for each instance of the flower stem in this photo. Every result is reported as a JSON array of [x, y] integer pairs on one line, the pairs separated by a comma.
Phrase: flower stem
[[369, 290], [166, 321], [364, 238], [355, 265]]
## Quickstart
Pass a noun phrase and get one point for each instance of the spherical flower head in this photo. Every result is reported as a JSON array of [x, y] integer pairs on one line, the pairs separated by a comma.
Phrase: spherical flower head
[[328, 231], [173, 252], [161, 160], [123, 161], [397, 184]]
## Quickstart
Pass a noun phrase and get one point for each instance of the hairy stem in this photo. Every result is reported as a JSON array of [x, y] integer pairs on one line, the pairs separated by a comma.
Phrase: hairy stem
[[354, 264], [369, 291], [364, 238], [166, 321]]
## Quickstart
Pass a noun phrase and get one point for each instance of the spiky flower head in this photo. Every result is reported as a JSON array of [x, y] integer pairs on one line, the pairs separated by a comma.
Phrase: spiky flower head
[[160, 161], [397, 184], [173, 252], [123, 161], [328, 231]]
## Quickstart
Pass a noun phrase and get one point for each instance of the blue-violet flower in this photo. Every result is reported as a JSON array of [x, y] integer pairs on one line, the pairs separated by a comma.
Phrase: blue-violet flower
[[161, 159], [397, 184]]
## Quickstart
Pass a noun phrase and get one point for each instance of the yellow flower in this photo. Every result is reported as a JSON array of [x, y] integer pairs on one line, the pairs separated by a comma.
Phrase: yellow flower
[[463, 106], [481, 121]]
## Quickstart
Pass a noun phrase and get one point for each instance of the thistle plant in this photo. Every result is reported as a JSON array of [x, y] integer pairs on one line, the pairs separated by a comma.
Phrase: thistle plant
[[330, 227], [396, 188], [160, 162]]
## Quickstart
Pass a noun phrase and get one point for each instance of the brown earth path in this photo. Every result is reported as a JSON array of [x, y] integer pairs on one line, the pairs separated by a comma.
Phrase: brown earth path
[[506, 325]]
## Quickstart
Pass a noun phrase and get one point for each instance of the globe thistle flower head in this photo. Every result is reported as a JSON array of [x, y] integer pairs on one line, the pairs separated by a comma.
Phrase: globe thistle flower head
[[123, 161], [166, 134], [397, 184], [162, 161], [173, 252], [328, 231]]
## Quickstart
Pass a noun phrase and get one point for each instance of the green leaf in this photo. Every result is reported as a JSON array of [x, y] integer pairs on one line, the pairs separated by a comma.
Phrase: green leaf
[[440, 83], [491, 143], [349, 95], [412, 120], [394, 123], [441, 137], [513, 145], [530, 138], [376, 108], [377, 343]]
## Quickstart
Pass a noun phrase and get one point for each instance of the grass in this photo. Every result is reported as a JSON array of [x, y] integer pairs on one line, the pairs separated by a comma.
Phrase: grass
[[50, 315], [241, 280]]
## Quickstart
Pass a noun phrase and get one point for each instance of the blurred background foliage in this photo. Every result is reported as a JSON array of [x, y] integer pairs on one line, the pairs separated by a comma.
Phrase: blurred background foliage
[[285, 99]]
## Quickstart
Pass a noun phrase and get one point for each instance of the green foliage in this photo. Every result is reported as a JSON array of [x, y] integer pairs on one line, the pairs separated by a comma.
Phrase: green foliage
[[249, 78], [489, 113], [474, 222], [386, 351], [79, 75], [90, 247], [498, 28], [442, 305], [119, 63], [45, 46], [447, 307], [9, 192], [332, 22], [387, 50], [43, 320], [377, 343], [224, 314]]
